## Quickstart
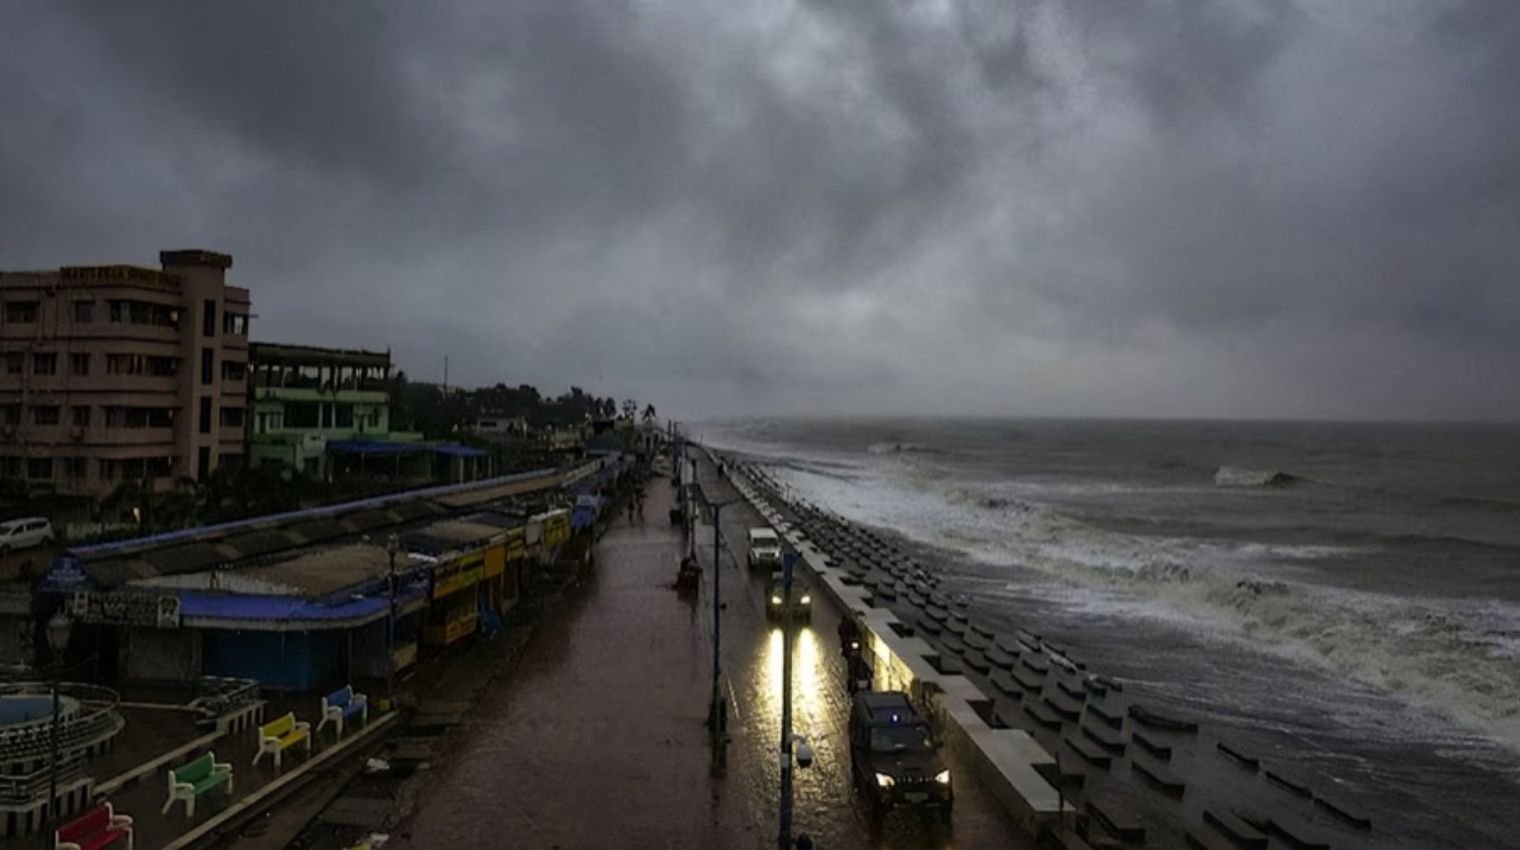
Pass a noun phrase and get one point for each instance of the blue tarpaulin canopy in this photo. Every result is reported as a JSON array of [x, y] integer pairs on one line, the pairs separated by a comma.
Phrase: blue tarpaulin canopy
[[372, 447], [455, 450]]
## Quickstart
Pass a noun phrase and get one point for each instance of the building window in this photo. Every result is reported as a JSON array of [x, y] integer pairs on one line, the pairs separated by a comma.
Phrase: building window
[[138, 364], [203, 465], [76, 468], [15, 361], [144, 313], [10, 414], [235, 324], [205, 414], [327, 415], [302, 414], [21, 312], [232, 417], [110, 469], [234, 370], [48, 415], [10, 467], [208, 364], [139, 417], [84, 312], [81, 416], [79, 364], [208, 318], [44, 363], [39, 468], [343, 417]]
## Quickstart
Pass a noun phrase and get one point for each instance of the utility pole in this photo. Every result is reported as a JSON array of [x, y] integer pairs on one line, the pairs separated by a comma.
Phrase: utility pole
[[784, 837], [717, 710]]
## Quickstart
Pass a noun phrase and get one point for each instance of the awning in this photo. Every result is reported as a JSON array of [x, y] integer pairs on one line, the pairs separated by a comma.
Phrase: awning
[[369, 447], [454, 450]]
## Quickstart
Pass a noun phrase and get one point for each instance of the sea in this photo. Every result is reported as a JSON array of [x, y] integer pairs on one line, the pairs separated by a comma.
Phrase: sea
[[1342, 596]]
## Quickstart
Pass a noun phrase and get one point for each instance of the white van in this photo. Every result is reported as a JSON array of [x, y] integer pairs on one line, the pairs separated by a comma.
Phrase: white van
[[764, 548], [25, 533]]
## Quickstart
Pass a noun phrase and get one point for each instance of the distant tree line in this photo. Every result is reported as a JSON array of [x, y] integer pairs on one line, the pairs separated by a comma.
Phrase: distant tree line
[[425, 407]]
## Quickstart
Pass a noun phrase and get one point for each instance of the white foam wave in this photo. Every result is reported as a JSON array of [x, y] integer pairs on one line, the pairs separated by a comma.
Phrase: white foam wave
[[1234, 476], [1452, 656]]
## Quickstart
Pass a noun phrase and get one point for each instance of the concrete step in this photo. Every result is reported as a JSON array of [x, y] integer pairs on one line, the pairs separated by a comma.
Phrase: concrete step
[[1161, 778], [1115, 821], [1343, 814], [1029, 681], [1159, 750], [1110, 741], [1237, 756], [1110, 716], [1042, 715], [1089, 753], [1240, 833], [1006, 684], [1065, 708]]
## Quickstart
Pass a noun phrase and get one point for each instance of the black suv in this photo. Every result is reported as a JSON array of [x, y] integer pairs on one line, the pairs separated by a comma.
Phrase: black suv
[[893, 756]]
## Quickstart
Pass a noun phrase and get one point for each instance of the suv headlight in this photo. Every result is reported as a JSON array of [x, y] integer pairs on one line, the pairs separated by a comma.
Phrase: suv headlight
[[943, 777], [885, 781]]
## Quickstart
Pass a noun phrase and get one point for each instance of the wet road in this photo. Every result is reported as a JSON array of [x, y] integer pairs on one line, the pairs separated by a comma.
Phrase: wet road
[[597, 738], [826, 805]]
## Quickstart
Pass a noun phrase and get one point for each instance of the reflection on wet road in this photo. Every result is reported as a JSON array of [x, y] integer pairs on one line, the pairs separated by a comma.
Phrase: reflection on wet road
[[597, 738], [827, 807]]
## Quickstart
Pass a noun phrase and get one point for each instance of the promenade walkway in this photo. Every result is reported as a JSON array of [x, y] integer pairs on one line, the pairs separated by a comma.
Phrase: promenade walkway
[[597, 739]]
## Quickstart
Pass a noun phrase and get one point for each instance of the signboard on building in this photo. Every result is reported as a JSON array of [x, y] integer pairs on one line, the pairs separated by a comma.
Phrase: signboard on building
[[458, 574], [126, 609]]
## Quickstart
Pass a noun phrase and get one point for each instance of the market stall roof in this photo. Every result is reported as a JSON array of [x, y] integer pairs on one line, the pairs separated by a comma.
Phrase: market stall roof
[[451, 535], [375, 447]]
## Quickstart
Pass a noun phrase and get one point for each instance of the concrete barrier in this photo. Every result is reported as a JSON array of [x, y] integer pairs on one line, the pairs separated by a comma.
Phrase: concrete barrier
[[1007, 762]]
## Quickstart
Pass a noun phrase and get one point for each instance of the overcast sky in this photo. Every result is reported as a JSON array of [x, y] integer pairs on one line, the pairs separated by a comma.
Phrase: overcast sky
[[1026, 207]]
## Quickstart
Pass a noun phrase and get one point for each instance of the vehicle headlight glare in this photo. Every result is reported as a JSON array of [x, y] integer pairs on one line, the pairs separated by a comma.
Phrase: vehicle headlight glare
[[943, 777], [775, 600], [885, 781], [807, 599]]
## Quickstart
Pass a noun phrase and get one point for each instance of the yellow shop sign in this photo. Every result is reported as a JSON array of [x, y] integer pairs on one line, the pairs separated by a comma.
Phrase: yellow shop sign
[[458, 575]]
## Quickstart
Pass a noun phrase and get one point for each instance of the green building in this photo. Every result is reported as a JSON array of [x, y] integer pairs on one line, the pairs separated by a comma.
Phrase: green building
[[327, 410]]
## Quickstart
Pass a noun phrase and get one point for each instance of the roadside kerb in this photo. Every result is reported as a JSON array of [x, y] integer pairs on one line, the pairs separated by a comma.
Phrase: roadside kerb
[[120, 780], [253, 799], [1006, 760]]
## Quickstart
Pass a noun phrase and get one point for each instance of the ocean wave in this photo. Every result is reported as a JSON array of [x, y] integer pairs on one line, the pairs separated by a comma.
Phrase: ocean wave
[[1455, 658], [1234, 476], [1450, 656], [894, 447]]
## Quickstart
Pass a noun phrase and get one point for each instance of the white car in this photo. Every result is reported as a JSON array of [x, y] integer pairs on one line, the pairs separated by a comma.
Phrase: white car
[[25, 533], [764, 548]]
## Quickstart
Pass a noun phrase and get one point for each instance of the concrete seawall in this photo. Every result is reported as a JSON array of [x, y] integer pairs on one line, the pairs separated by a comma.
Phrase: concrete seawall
[[1010, 764]]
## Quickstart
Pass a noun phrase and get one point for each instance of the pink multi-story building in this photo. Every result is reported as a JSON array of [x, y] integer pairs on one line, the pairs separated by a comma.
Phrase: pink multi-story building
[[122, 373]]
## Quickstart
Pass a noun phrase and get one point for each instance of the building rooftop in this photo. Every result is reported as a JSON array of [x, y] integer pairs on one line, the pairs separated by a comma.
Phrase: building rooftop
[[311, 355]]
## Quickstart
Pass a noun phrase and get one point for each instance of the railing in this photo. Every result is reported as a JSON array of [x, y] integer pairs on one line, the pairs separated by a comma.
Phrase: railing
[[90, 718], [24, 788], [218, 696]]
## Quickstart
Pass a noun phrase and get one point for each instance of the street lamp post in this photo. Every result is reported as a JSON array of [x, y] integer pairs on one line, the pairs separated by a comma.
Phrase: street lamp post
[[59, 629], [717, 713], [392, 546], [784, 836]]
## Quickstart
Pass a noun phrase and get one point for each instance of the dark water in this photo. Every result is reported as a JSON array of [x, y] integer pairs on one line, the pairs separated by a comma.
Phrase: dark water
[[1346, 597]]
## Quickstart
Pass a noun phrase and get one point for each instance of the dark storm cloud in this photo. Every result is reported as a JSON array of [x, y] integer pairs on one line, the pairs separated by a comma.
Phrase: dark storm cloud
[[1235, 207]]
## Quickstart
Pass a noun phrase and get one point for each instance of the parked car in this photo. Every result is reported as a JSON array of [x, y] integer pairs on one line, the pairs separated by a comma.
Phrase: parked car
[[25, 533], [802, 599], [894, 759], [764, 548]]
